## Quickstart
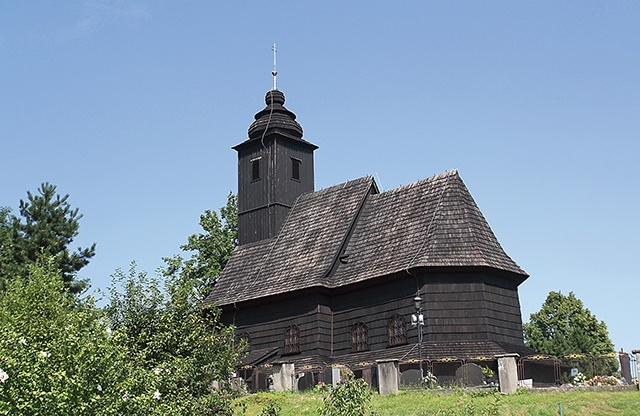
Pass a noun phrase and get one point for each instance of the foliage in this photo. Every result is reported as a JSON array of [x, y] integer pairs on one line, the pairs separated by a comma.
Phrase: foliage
[[564, 327], [57, 354], [271, 408], [47, 227], [7, 263], [151, 355], [320, 387], [487, 372], [184, 345], [349, 398], [210, 250]]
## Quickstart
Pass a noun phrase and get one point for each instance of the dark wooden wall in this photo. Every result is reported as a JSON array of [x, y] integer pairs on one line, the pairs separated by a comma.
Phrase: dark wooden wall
[[266, 322], [458, 306], [264, 204], [471, 305]]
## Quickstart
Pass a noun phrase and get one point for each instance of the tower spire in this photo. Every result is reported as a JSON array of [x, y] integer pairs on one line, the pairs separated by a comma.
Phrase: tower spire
[[274, 72]]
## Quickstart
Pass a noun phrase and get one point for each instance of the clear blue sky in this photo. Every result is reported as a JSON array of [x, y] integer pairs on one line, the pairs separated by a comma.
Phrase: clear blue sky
[[132, 107]]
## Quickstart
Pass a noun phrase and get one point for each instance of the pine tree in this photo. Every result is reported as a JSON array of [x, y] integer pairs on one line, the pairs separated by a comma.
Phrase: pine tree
[[46, 228]]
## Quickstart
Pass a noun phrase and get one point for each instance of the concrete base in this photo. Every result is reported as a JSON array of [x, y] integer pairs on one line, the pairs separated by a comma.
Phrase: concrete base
[[507, 373], [388, 377]]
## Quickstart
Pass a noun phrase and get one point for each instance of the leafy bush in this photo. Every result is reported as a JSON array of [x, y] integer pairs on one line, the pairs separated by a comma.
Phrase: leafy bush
[[57, 355], [271, 408], [349, 398], [151, 355]]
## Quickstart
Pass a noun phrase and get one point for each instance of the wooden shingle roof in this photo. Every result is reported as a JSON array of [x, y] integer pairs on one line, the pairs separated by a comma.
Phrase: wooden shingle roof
[[349, 233], [432, 222]]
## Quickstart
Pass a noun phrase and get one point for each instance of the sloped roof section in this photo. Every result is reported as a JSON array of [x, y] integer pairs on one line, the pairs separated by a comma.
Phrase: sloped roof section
[[304, 251], [237, 274], [432, 222], [349, 233]]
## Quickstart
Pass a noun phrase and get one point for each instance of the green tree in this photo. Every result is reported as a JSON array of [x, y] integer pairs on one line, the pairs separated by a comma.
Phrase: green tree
[[151, 355], [56, 353], [46, 228], [210, 251], [185, 347], [563, 327]]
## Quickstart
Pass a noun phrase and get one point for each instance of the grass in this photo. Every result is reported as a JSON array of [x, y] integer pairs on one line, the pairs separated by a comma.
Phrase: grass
[[460, 402]]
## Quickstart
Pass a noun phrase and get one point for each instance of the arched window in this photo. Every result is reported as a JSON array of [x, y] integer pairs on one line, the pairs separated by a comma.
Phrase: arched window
[[397, 331], [359, 337], [292, 340]]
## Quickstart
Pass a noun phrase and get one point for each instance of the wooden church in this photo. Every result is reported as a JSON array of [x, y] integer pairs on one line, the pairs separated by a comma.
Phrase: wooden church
[[328, 278]]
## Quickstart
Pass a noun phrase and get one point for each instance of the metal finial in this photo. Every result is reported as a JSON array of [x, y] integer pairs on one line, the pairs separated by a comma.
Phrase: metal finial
[[274, 72]]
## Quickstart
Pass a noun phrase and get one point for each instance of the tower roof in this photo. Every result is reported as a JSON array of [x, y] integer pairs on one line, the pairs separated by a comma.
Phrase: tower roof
[[275, 118]]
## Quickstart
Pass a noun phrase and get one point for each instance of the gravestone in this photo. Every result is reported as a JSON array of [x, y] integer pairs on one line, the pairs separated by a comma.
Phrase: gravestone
[[470, 375], [411, 377], [625, 366], [283, 376], [388, 381], [335, 376], [637, 354], [507, 373]]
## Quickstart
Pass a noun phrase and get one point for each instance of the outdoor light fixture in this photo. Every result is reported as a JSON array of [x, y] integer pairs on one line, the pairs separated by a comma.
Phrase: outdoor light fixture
[[417, 319], [417, 301]]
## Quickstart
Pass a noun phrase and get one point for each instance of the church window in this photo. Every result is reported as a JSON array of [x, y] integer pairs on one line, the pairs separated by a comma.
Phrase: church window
[[359, 337], [292, 340], [255, 169], [397, 331], [295, 169]]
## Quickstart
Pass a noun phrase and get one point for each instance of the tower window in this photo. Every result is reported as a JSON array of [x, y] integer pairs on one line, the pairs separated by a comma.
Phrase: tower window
[[295, 169], [255, 169]]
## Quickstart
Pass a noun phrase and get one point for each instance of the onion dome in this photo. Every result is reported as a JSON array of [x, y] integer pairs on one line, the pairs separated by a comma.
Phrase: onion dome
[[275, 118]]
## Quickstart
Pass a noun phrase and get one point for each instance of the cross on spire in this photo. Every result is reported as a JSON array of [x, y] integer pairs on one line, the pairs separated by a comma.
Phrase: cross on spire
[[274, 72]]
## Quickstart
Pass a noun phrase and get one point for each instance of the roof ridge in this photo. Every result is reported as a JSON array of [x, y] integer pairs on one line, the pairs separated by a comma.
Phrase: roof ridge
[[342, 185], [443, 175]]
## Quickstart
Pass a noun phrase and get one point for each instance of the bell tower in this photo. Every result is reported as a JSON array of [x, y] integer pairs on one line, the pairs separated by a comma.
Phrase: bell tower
[[275, 166]]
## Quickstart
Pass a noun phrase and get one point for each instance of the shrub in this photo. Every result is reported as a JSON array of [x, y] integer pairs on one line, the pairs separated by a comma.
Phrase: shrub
[[349, 398], [60, 355]]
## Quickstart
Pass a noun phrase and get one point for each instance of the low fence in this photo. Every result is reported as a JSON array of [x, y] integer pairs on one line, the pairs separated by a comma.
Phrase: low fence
[[533, 371]]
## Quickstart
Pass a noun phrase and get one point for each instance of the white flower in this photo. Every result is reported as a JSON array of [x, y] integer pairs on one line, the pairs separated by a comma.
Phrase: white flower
[[109, 331], [157, 371], [156, 395], [45, 354], [99, 387], [23, 341], [3, 375], [125, 397]]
